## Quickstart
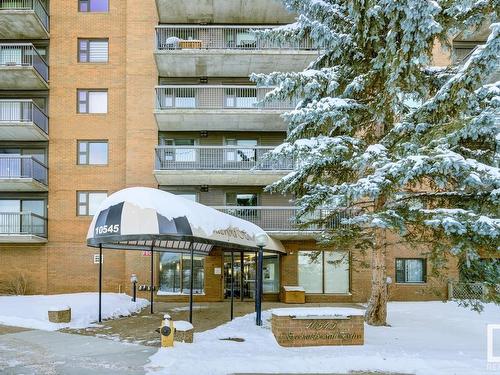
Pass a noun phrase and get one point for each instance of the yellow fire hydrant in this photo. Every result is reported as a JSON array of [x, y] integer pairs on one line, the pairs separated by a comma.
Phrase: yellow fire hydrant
[[167, 332]]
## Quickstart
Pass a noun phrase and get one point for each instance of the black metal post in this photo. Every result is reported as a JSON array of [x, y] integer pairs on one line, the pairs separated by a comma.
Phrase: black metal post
[[134, 291], [191, 284], [255, 282], [152, 277], [258, 289], [100, 282], [232, 285], [242, 276]]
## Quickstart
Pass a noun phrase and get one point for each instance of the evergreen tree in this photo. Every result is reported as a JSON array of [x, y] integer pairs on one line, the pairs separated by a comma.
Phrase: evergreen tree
[[398, 144]]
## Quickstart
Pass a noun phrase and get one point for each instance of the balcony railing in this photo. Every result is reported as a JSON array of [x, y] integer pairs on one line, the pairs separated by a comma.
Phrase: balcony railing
[[217, 158], [22, 223], [35, 5], [23, 167], [23, 111], [23, 55], [216, 97], [282, 218], [178, 37]]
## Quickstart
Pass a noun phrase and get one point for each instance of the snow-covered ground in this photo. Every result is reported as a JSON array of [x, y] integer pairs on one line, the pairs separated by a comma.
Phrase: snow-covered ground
[[32, 311], [425, 338]]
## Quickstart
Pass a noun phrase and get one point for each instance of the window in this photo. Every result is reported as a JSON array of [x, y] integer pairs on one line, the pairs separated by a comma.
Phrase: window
[[241, 199], [183, 152], [324, 271], [88, 202], [92, 101], [411, 270], [92, 152], [93, 50], [244, 152], [175, 271], [32, 219], [93, 5]]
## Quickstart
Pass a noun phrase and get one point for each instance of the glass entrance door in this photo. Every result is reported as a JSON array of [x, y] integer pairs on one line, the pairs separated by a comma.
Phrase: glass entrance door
[[244, 276]]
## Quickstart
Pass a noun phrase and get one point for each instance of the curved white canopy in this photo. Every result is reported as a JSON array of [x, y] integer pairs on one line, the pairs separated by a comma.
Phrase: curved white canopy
[[144, 218]]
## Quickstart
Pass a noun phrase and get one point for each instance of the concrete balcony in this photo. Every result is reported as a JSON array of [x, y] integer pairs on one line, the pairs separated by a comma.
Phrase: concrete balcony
[[217, 165], [22, 227], [223, 11], [281, 223], [22, 173], [218, 108], [22, 120], [225, 51], [22, 68], [23, 19]]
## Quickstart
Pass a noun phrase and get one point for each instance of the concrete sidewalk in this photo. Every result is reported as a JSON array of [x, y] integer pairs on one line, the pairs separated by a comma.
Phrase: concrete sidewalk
[[52, 353]]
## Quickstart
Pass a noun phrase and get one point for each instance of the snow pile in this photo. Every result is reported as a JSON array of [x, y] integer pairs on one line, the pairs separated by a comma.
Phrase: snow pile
[[32, 311], [426, 338]]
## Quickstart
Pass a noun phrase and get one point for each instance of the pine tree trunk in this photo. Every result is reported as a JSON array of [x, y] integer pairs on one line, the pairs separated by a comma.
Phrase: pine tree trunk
[[376, 312]]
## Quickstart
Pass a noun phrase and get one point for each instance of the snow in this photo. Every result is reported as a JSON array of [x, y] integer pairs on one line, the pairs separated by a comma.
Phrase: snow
[[182, 325], [317, 311], [172, 206], [425, 338], [32, 311], [288, 288]]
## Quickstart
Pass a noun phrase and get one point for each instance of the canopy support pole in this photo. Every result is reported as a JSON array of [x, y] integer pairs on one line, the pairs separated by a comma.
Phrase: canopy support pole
[[242, 276], [100, 282], [232, 284], [255, 283], [152, 278], [191, 283], [258, 284]]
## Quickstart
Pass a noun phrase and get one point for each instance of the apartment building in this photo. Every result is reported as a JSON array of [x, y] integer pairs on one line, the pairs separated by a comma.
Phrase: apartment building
[[156, 94]]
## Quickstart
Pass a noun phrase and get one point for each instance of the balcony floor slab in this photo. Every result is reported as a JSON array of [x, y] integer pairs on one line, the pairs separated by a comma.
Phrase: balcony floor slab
[[21, 24], [219, 120], [223, 11], [217, 177], [21, 238], [26, 131], [229, 63], [21, 78], [21, 184]]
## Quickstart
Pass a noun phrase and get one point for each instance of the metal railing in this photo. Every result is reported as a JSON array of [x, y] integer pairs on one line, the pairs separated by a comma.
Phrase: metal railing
[[470, 291], [19, 223], [23, 54], [217, 158], [178, 37], [282, 218], [23, 167], [23, 111], [35, 5], [217, 97]]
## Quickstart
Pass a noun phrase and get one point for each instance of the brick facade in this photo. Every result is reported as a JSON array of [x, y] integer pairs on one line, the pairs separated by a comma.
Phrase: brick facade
[[65, 264]]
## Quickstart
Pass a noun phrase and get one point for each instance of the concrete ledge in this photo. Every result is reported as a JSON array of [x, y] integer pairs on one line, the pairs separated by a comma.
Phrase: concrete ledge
[[217, 177]]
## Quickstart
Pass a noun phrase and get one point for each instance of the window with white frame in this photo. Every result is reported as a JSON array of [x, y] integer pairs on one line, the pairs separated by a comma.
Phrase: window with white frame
[[88, 202], [324, 272], [93, 50], [92, 101]]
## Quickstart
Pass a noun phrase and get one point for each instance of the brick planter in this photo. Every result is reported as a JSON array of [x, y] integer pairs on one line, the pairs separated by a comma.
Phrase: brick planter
[[60, 315], [291, 331], [183, 332]]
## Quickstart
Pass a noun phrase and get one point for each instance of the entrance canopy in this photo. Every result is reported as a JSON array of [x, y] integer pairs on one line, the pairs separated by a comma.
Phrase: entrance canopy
[[150, 219]]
